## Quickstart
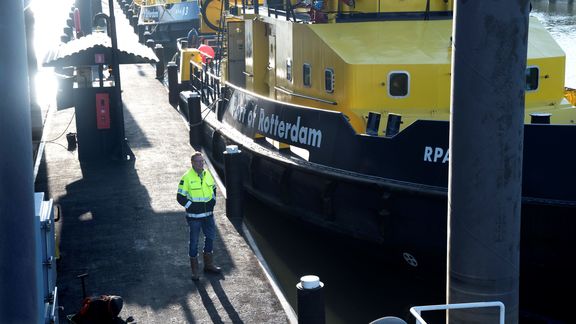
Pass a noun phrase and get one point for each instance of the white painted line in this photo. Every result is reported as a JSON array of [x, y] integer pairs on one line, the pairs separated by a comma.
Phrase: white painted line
[[39, 155]]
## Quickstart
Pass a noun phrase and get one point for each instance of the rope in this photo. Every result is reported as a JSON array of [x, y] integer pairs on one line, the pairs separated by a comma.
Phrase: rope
[[70, 122]]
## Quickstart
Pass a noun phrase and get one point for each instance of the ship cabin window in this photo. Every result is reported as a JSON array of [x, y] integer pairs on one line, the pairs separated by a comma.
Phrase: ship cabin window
[[329, 80], [532, 77], [398, 84], [307, 73], [289, 69]]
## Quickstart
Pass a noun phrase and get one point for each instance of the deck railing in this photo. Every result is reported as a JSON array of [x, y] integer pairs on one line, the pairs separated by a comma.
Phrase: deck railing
[[203, 78]]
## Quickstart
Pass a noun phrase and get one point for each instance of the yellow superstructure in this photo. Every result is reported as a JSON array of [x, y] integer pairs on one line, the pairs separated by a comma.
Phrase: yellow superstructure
[[363, 55], [385, 66]]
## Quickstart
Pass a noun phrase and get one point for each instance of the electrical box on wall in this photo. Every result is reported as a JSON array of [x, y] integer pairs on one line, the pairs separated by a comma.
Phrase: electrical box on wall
[[102, 111]]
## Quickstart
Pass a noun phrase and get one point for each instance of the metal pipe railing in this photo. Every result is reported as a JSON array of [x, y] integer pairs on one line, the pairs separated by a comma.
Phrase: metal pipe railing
[[204, 80], [416, 310]]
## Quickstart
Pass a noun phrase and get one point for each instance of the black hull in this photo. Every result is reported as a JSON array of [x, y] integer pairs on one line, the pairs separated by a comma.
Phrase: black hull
[[386, 190], [406, 214], [407, 221]]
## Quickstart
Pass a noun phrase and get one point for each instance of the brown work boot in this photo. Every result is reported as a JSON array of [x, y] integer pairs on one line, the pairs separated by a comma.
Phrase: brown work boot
[[209, 264], [194, 267]]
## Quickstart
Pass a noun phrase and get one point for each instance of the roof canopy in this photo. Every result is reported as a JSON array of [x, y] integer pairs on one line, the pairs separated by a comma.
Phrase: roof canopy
[[96, 48]]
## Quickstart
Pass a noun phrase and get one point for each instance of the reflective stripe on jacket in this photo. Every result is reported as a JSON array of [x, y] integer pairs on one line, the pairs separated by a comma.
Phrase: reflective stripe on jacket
[[199, 191]]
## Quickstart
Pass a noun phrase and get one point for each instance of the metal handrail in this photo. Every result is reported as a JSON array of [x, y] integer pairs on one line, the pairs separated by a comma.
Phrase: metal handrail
[[294, 94], [53, 315], [202, 78], [416, 310]]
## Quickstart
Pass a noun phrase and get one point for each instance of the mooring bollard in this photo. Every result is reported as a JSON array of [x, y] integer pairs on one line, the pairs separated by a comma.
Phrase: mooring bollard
[[134, 23], [195, 118], [540, 118], [233, 180], [311, 300], [221, 106], [159, 50], [172, 82], [150, 43], [64, 38], [145, 35], [68, 31]]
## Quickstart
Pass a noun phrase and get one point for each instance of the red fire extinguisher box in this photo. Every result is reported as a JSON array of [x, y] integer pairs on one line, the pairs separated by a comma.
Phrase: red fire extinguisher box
[[98, 123]]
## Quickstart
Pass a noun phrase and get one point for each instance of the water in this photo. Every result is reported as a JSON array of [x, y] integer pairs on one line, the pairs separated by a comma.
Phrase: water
[[361, 285], [559, 17]]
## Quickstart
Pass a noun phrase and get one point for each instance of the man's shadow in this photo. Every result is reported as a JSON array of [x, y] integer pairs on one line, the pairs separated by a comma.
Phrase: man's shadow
[[214, 280]]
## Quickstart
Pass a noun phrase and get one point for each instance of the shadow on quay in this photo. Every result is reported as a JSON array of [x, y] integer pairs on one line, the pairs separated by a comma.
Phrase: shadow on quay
[[110, 230]]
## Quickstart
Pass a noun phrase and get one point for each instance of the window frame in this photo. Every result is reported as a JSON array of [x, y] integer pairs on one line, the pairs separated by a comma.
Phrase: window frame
[[289, 69], [309, 85], [332, 80], [388, 88], [537, 78]]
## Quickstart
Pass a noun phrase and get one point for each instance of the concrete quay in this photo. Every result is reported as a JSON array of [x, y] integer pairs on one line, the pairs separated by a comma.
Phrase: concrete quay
[[120, 222]]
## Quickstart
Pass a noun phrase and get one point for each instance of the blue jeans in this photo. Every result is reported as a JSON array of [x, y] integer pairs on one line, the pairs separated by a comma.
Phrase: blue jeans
[[208, 227]]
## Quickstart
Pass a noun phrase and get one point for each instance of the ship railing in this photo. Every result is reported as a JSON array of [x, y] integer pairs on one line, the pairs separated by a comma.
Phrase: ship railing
[[204, 79], [254, 4], [283, 8], [417, 310]]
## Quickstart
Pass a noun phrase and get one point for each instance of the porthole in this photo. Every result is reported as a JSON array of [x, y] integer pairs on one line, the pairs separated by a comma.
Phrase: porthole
[[398, 84], [532, 78]]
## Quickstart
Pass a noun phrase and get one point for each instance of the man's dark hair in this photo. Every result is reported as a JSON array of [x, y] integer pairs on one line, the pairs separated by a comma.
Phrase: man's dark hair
[[197, 153]]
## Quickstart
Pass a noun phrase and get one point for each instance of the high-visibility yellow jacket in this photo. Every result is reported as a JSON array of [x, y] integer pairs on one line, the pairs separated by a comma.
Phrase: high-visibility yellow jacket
[[197, 193]]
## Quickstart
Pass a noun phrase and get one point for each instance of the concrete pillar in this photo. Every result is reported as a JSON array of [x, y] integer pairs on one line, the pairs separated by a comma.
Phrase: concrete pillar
[[486, 140], [19, 268]]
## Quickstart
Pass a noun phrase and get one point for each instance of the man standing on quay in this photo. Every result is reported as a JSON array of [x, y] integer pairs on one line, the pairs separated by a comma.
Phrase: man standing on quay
[[197, 193]]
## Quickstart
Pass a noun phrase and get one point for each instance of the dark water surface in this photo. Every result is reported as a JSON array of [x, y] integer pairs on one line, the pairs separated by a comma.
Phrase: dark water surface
[[361, 283]]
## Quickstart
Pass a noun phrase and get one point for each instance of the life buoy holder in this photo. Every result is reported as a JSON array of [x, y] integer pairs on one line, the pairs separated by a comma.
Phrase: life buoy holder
[[204, 12]]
